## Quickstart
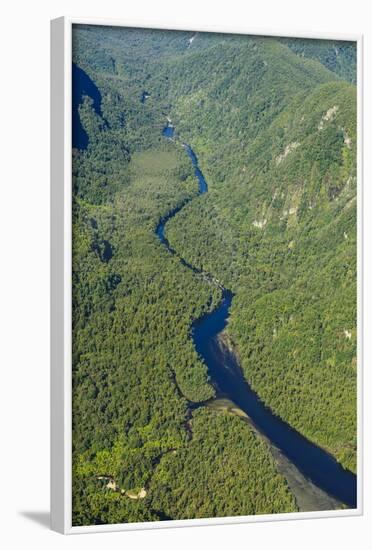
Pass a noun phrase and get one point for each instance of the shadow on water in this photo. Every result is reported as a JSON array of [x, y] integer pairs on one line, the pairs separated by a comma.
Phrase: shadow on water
[[314, 463]]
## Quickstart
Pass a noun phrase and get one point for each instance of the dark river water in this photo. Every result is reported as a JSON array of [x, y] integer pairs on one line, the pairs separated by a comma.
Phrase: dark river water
[[82, 85], [314, 463], [145, 95]]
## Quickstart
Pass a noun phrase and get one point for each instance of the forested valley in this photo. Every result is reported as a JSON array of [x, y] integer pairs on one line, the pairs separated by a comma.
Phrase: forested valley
[[274, 125]]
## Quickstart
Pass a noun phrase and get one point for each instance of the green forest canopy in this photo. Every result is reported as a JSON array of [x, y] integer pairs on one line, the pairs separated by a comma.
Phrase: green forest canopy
[[274, 126]]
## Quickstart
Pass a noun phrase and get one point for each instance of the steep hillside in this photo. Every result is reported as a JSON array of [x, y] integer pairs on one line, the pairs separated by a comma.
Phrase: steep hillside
[[339, 57], [279, 229], [275, 135]]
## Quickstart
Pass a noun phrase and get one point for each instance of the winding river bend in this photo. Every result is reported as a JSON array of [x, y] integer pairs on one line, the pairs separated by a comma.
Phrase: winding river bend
[[313, 465]]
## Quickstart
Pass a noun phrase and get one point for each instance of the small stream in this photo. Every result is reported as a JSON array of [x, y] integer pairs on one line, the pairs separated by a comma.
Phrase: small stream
[[314, 463]]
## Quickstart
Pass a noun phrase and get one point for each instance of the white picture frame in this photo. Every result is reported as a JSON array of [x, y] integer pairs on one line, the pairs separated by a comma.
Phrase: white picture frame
[[61, 265]]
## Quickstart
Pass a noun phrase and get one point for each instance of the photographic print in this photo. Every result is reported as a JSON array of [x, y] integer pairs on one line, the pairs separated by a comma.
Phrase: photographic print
[[214, 275]]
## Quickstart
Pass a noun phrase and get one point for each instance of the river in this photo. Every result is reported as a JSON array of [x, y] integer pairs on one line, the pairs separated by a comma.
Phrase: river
[[306, 466], [313, 475]]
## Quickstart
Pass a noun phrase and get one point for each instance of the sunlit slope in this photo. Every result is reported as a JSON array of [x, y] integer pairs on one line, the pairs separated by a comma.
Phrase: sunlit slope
[[280, 229], [275, 137]]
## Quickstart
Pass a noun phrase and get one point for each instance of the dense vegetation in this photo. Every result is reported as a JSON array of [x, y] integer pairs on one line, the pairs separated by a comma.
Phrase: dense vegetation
[[275, 135], [339, 57], [206, 478], [287, 229]]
